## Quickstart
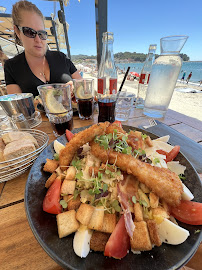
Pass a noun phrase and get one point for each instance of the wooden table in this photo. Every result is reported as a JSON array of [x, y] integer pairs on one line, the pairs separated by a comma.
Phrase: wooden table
[[18, 247]]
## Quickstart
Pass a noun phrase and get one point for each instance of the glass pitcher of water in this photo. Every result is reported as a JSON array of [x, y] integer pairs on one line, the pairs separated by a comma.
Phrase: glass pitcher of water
[[164, 74]]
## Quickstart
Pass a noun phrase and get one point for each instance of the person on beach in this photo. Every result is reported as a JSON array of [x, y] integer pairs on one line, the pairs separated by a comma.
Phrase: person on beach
[[183, 76], [189, 76], [36, 65]]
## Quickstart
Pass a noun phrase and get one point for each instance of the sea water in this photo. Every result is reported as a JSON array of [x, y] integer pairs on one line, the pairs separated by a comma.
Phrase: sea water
[[194, 66], [164, 74]]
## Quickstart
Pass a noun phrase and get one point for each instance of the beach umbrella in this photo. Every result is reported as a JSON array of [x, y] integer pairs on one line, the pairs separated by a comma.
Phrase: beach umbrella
[[135, 74]]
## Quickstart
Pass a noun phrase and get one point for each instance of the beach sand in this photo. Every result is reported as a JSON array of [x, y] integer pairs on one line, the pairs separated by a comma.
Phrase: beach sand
[[189, 104]]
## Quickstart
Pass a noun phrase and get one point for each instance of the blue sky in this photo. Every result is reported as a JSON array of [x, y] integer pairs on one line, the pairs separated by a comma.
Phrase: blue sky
[[135, 24]]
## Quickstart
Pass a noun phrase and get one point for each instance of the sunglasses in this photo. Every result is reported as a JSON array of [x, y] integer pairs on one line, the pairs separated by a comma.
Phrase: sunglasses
[[31, 33]]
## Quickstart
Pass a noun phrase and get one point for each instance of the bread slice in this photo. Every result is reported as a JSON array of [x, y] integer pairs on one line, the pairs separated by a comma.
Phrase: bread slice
[[153, 232], [109, 223], [141, 239], [51, 165], [99, 240], [67, 223], [18, 148], [84, 213], [18, 135], [96, 220]]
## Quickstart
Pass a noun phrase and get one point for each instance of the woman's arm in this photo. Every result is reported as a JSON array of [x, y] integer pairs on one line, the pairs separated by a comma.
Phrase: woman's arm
[[13, 89], [76, 75]]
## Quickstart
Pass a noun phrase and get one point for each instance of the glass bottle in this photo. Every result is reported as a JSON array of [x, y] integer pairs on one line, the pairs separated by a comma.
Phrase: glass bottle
[[107, 73], [144, 77], [107, 81], [164, 74]]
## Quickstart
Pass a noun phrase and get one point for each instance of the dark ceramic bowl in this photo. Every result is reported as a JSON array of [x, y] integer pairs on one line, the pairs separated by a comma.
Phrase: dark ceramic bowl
[[44, 227]]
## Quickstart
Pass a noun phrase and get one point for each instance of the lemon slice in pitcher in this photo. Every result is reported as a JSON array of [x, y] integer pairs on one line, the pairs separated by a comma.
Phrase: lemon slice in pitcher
[[81, 94], [53, 105]]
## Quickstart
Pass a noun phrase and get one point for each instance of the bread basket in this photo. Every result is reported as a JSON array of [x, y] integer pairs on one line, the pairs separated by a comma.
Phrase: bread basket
[[15, 167]]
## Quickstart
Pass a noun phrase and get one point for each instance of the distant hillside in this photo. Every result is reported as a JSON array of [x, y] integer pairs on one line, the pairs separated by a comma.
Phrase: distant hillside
[[139, 57], [82, 57], [122, 56]]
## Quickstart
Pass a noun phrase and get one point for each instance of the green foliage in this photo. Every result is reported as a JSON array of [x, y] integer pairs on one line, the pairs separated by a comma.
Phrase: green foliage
[[139, 57], [115, 205], [184, 57], [136, 57], [82, 57], [120, 56], [63, 203], [56, 156]]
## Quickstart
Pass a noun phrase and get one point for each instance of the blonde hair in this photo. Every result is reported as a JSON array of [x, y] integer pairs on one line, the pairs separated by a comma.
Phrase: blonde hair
[[23, 5]]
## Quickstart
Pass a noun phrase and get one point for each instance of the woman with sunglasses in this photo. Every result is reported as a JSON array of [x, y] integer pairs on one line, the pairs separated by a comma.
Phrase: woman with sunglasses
[[36, 65]]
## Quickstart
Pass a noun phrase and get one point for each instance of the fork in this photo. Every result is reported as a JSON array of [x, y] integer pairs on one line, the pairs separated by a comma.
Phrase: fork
[[152, 123]]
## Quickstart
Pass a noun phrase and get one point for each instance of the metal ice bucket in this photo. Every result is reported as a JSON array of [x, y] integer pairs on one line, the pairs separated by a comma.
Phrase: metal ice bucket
[[18, 103]]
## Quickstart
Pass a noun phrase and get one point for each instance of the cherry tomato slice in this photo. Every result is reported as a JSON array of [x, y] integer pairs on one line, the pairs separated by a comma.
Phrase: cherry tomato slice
[[119, 241], [51, 202], [118, 123], [188, 212], [69, 134]]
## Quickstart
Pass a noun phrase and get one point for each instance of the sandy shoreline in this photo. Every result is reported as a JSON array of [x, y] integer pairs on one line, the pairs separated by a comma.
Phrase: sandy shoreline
[[189, 104]]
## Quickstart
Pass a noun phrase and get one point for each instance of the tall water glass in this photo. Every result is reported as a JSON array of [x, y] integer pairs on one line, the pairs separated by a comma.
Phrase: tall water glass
[[124, 103], [164, 74]]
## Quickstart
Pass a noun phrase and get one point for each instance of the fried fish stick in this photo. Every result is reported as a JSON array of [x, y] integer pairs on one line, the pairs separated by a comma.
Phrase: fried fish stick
[[113, 127], [79, 139], [161, 181]]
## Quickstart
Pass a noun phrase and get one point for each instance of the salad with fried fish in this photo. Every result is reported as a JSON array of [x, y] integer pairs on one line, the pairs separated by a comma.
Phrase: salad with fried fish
[[118, 191]]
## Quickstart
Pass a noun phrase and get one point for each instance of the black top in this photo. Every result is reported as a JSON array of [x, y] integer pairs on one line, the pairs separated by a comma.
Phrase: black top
[[17, 71]]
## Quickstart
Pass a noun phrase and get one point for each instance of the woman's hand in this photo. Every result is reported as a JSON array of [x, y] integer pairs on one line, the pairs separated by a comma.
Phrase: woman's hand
[[74, 103], [70, 83], [75, 75]]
